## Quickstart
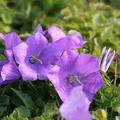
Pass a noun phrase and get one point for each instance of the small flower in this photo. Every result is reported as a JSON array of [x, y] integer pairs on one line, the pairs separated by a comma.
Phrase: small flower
[[106, 58], [35, 57], [76, 106], [73, 70], [8, 69], [63, 41]]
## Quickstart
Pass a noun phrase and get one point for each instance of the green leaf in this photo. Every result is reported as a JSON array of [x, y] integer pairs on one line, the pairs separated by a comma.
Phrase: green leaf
[[24, 112], [25, 98]]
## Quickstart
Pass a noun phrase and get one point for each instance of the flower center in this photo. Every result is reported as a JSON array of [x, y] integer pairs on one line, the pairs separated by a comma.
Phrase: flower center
[[73, 79], [33, 60]]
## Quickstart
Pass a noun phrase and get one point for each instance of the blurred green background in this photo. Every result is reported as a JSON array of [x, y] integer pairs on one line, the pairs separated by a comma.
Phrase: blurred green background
[[99, 23]]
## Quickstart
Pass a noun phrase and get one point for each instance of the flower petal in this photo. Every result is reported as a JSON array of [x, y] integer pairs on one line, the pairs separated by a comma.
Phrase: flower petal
[[50, 54], [93, 82], [86, 64], [20, 52], [72, 41], [36, 43], [109, 60], [55, 33], [28, 74], [76, 106], [58, 80], [10, 73], [11, 40], [39, 28]]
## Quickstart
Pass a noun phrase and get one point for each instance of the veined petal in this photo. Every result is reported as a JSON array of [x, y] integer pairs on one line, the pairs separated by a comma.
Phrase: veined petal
[[76, 106], [102, 55], [104, 61], [93, 82], [86, 64], [42, 71], [109, 60], [28, 74], [72, 41], [20, 52], [36, 43], [11, 40], [57, 78], [54, 33], [10, 72], [50, 54]]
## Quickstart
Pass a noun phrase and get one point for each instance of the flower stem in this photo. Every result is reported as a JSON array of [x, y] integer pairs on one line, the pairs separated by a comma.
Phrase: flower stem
[[115, 80]]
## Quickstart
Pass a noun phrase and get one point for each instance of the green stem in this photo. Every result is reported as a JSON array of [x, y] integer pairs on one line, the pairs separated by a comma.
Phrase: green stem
[[115, 80]]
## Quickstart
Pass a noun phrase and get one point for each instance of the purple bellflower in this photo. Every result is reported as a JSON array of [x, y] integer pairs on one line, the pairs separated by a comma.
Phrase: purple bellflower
[[73, 70], [36, 56], [62, 41], [8, 69], [76, 106], [106, 59]]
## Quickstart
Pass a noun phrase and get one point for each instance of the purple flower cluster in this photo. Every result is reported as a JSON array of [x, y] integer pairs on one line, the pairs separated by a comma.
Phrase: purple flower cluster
[[75, 76]]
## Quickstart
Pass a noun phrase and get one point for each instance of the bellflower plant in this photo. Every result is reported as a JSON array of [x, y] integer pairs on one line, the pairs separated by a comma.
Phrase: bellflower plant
[[8, 69], [74, 70], [76, 106], [36, 56], [106, 59]]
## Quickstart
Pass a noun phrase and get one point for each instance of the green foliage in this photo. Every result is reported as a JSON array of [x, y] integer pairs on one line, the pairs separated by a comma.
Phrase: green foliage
[[99, 23]]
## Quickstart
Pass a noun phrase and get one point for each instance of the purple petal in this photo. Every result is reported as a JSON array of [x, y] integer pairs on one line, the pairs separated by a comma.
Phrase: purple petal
[[93, 82], [67, 57], [11, 40], [57, 77], [36, 43], [54, 33], [102, 55], [110, 59], [10, 72], [50, 54], [39, 28], [70, 42], [20, 52], [86, 64], [76, 106], [27, 73], [42, 71]]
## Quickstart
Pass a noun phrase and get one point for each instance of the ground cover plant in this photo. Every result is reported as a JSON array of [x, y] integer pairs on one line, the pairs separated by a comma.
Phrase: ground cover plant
[[85, 27]]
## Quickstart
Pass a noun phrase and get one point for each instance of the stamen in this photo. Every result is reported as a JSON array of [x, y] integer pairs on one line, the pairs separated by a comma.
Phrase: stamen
[[72, 79], [33, 59]]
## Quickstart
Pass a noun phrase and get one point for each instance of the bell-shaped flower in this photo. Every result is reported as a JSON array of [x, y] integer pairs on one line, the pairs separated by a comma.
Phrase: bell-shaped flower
[[8, 69], [73, 70], [106, 59], [36, 57], [76, 106]]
